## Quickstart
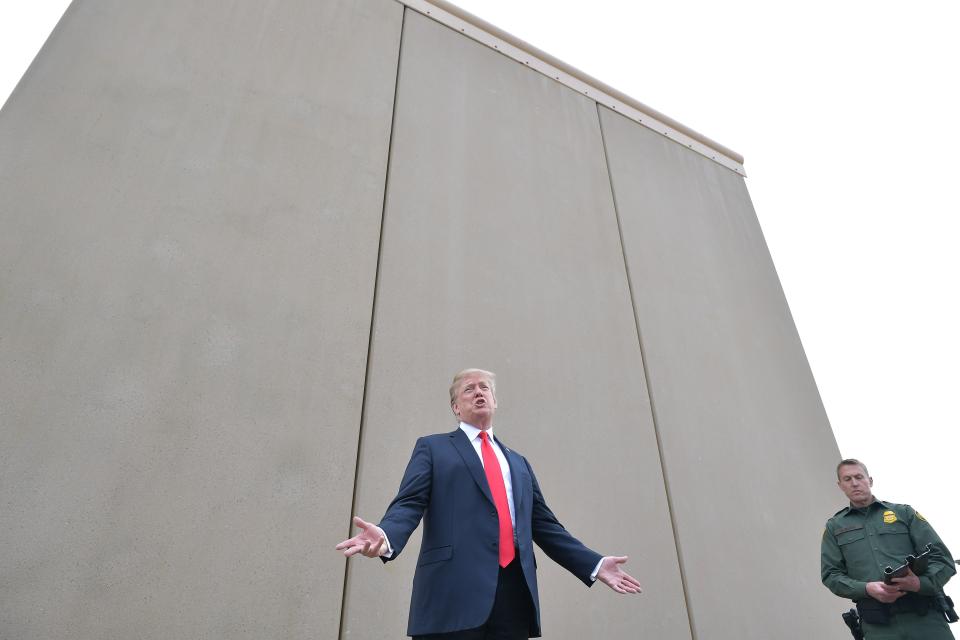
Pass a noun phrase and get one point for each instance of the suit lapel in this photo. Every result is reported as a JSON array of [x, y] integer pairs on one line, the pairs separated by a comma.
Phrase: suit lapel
[[470, 458]]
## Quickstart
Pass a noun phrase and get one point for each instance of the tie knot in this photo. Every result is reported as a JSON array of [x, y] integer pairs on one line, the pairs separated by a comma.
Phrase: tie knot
[[483, 436]]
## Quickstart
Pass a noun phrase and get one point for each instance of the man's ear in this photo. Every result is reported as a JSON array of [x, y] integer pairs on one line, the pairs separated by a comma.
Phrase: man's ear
[[871, 481]]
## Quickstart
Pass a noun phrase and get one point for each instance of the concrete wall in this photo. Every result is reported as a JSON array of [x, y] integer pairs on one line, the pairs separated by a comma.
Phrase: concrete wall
[[747, 450], [190, 198], [512, 261], [244, 248]]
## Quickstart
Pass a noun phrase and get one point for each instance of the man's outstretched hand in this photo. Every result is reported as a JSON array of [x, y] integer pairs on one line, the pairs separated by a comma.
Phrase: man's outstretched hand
[[371, 541], [616, 578]]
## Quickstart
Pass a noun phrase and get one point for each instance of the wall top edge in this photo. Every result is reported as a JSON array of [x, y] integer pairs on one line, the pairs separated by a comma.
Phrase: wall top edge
[[492, 36]]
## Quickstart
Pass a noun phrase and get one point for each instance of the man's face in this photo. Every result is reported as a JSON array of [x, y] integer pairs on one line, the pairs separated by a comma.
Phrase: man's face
[[855, 484], [475, 402]]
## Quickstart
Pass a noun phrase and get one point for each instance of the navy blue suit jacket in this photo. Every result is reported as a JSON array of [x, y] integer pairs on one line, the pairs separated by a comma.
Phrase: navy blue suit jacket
[[456, 576]]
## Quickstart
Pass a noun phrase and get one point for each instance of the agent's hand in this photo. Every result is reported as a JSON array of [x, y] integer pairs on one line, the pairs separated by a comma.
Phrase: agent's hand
[[616, 578], [909, 582], [371, 541], [883, 592]]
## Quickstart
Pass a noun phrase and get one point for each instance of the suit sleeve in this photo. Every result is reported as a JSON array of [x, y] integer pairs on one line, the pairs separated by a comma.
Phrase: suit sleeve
[[556, 541], [833, 570], [405, 511], [941, 566]]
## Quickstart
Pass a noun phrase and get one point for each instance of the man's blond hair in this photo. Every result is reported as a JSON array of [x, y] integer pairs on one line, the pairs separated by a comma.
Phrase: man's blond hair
[[455, 385]]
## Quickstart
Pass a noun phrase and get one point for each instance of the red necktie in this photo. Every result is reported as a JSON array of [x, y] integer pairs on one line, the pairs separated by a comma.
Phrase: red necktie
[[491, 466]]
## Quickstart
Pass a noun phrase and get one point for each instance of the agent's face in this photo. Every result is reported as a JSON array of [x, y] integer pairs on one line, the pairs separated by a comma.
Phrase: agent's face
[[475, 402], [855, 484]]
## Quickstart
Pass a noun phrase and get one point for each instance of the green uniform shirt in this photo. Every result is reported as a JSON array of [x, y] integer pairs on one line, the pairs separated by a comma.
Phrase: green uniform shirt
[[858, 543]]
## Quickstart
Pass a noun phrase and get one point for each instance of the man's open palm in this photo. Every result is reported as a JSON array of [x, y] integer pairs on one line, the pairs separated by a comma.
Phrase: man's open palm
[[616, 578], [371, 541]]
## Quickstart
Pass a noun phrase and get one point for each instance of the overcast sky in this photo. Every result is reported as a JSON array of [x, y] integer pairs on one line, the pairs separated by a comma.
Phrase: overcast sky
[[848, 116]]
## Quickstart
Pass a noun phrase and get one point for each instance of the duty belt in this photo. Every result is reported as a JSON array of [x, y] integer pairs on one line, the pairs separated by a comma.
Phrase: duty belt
[[912, 603]]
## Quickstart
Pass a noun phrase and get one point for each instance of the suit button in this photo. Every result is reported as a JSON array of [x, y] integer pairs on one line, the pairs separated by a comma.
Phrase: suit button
[[493, 544]]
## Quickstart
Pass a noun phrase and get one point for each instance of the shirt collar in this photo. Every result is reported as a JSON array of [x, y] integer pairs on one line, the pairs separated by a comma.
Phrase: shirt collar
[[867, 508], [472, 432]]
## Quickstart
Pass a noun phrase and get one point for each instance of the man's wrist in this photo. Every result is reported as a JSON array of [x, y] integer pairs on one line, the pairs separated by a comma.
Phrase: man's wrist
[[596, 570], [386, 551], [927, 588]]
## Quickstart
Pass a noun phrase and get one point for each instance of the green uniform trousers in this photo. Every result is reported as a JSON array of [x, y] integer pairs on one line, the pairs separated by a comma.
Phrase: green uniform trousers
[[910, 626]]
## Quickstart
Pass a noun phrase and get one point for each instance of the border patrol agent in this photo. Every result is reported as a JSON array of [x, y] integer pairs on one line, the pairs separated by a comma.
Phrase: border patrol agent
[[861, 540]]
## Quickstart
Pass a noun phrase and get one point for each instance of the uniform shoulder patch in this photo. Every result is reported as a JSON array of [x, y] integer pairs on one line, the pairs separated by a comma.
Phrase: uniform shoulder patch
[[909, 509]]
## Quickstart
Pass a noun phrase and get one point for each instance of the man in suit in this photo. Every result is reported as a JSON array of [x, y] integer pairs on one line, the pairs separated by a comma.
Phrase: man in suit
[[482, 511]]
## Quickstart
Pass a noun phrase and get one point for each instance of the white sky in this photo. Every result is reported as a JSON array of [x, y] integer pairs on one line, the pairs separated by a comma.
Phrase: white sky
[[848, 115]]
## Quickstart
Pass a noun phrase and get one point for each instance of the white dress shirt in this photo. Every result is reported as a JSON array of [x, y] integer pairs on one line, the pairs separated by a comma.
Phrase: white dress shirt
[[474, 435]]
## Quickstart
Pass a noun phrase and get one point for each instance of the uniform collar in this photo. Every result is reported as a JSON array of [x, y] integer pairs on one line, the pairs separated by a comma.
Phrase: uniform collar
[[847, 509]]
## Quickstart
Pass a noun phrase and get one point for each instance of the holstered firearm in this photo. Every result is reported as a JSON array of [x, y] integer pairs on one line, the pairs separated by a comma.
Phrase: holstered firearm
[[852, 620], [944, 604], [917, 564]]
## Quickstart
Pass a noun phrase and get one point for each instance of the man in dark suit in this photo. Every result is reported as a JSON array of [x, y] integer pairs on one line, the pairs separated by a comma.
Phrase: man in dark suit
[[482, 511]]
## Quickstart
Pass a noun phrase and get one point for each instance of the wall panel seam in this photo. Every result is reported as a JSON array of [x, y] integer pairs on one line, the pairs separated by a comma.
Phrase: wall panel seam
[[373, 315], [646, 376]]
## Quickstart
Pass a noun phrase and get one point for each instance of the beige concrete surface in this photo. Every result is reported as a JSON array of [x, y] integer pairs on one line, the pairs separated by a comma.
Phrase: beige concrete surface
[[190, 205], [748, 451], [501, 250], [190, 260]]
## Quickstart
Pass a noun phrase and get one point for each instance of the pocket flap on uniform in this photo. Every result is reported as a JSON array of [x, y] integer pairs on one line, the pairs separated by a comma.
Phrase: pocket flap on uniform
[[850, 534], [896, 527], [435, 555]]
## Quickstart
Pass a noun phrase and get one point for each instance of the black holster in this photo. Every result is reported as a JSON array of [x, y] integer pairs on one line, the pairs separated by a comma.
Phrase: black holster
[[852, 620], [944, 604]]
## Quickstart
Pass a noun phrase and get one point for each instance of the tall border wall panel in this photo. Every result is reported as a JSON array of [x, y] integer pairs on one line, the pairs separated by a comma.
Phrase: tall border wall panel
[[190, 199], [747, 449], [500, 225], [245, 246]]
